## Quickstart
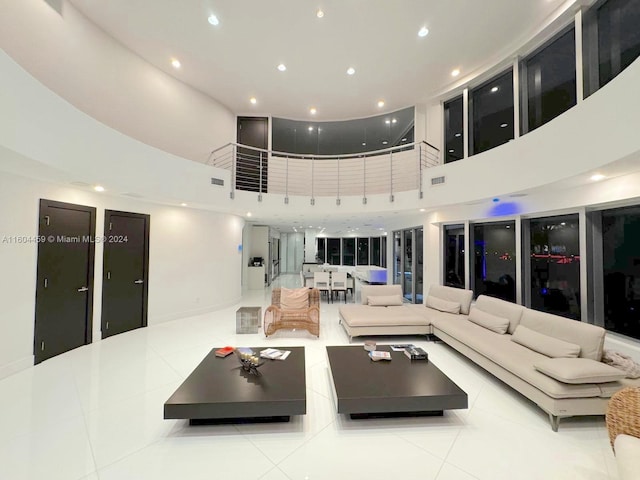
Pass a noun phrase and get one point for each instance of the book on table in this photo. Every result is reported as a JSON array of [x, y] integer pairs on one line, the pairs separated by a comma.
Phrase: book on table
[[377, 355], [275, 354], [224, 351]]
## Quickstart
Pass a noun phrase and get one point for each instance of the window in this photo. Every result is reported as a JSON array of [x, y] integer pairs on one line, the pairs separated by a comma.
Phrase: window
[[348, 251], [453, 134], [375, 251], [363, 251], [491, 114], [618, 37], [555, 265], [494, 265], [621, 270], [454, 270], [321, 255], [333, 251], [344, 137], [548, 82]]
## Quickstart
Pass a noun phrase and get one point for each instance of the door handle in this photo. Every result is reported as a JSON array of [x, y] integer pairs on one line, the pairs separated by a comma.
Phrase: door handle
[[139, 281], [83, 289]]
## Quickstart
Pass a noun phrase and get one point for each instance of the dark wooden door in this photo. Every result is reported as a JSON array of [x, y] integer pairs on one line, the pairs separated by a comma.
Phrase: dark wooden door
[[64, 292], [125, 286], [251, 163]]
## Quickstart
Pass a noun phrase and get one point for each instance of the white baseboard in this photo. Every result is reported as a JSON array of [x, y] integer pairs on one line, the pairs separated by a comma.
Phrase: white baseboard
[[192, 313], [16, 366]]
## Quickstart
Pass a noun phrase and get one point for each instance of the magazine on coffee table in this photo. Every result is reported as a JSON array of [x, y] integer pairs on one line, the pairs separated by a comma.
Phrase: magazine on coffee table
[[275, 354], [401, 347]]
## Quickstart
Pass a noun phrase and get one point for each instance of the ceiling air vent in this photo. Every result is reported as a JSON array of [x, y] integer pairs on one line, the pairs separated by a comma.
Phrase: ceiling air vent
[[217, 181], [437, 181]]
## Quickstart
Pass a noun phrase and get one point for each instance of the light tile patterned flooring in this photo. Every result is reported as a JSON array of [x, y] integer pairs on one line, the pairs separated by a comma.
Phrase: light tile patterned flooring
[[96, 414]]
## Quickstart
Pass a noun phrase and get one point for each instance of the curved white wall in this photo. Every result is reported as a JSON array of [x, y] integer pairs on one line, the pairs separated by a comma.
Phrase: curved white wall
[[101, 77]]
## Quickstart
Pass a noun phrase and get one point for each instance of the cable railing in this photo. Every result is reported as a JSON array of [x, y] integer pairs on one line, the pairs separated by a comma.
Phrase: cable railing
[[387, 171]]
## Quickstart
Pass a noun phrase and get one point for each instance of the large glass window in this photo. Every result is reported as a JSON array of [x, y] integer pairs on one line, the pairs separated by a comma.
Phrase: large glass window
[[375, 251], [321, 255], [621, 270], [363, 251], [618, 37], [555, 265], [348, 251], [454, 270], [453, 134], [397, 257], [495, 260], [407, 264], [344, 137], [548, 82], [491, 114], [419, 268], [333, 251]]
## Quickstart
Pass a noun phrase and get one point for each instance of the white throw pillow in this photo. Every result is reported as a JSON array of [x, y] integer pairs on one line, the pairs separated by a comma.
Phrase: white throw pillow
[[294, 299], [442, 305], [578, 370], [384, 300], [489, 320], [544, 344]]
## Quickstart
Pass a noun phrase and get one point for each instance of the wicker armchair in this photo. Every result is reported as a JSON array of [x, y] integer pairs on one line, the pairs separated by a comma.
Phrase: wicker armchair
[[623, 414], [275, 318]]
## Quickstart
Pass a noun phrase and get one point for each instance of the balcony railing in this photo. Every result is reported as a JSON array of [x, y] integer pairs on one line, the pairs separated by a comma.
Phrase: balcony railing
[[387, 171]]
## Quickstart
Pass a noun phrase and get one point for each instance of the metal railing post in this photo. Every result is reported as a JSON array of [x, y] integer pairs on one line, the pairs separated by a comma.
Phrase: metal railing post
[[313, 198], [286, 181], [260, 181], [391, 176], [234, 153], [338, 191], [364, 180], [420, 192]]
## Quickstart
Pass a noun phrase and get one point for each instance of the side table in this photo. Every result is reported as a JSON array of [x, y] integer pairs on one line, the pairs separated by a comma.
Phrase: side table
[[248, 319]]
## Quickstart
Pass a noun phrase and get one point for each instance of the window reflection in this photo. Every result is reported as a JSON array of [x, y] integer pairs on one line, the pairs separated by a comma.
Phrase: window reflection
[[454, 270], [454, 136], [495, 260], [555, 265]]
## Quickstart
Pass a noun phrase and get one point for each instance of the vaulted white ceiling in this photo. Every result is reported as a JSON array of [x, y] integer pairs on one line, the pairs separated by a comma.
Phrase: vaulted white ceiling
[[238, 58]]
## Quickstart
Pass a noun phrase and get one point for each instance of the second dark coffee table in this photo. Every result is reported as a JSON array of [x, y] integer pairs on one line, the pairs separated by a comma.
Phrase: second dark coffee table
[[364, 388]]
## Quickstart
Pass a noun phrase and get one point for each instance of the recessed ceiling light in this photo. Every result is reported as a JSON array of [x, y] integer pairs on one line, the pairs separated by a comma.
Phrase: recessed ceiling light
[[394, 120], [351, 71], [248, 214], [253, 100], [313, 110], [176, 63], [494, 89], [380, 103], [423, 210], [99, 188], [387, 122], [282, 67], [597, 177], [384, 142], [455, 73], [311, 129], [183, 204], [423, 32], [319, 13], [451, 151], [404, 139], [504, 125], [458, 134], [364, 143], [213, 20]]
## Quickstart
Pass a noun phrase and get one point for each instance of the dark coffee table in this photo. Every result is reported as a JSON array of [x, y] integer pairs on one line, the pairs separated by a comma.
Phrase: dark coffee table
[[400, 387], [219, 391]]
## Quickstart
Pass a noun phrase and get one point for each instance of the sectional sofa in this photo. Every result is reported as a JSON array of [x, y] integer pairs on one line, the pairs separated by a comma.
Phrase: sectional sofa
[[553, 361]]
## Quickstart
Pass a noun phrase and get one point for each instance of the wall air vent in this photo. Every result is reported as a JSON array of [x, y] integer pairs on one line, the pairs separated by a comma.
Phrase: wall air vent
[[437, 181], [217, 181]]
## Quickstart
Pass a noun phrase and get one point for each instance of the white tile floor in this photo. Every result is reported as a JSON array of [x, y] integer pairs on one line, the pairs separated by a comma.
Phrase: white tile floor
[[96, 414]]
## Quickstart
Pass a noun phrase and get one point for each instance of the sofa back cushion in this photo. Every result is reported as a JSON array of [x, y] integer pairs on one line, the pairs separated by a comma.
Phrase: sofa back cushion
[[294, 299], [385, 300], [544, 344], [589, 337], [501, 308], [442, 305], [451, 294], [378, 290], [489, 320]]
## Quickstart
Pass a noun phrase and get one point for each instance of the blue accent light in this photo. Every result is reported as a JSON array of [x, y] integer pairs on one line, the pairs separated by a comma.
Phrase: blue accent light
[[495, 200], [503, 209], [240, 248]]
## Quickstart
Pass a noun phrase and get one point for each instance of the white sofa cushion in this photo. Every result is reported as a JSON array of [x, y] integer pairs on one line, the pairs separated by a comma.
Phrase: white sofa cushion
[[377, 290], [544, 344], [589, 337], [442, 305], [487, 320], [294, 299], [451, 294], [501, 308], [384, 300], [578, 370]]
